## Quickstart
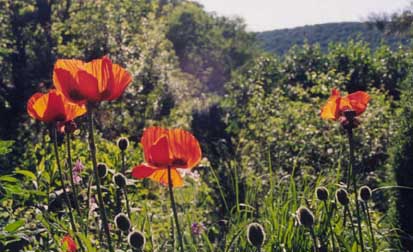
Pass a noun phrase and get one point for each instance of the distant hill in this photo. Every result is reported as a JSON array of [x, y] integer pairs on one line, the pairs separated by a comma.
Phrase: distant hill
[[280, 41]]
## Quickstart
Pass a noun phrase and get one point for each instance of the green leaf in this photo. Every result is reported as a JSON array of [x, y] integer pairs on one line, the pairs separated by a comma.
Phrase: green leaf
[[7, 178], [26, 173], [12, 227]]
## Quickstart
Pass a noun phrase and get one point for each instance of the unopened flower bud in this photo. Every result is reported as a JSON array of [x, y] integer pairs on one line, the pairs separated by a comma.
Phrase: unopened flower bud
[[136, 240], [122, 222], [342, 197], [365, 193], [256, 234], [102, 170], [305, 217], [119, 180], [321, 193], [123, 143]]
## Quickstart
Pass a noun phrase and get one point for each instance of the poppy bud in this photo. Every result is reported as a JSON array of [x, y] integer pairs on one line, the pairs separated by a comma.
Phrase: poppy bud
[[122, 222], [305, 217], [102, 170], [136, 240], [119, 180], [123, 143], [256, 235], [321, 193], [342, 197], [365, 193]]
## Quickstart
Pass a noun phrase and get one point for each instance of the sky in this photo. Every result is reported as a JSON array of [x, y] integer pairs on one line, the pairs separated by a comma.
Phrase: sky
[[263, 15]]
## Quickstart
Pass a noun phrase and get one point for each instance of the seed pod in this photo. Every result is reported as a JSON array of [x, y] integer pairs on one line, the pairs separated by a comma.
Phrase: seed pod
[[123, 143], [102, 170], [342, 197], [321, 193], [119, 180], [122, 222], [136, 240], [256, 235], [305, 217], [365, 193]]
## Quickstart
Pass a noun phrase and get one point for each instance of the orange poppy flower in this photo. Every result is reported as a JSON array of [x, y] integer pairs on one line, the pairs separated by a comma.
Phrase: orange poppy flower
[[337, 104], [69, 243], [53, 107], [93, 81], [163, 148]]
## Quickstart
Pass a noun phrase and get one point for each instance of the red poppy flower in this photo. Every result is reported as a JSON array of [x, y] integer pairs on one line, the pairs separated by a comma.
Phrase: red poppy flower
[[69, 243], [337, 104], [163, 148], [94, 81], [53, 107]]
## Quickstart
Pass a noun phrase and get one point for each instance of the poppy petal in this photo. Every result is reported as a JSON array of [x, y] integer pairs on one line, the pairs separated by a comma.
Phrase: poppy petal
[[55, 110], [30, 109], [185, 148], [330, 109], [159, 153], [161, 176], [121, 79], [149, 137], [359, 101], [101, 70], [142, 171], [88, 86], [64, 74]]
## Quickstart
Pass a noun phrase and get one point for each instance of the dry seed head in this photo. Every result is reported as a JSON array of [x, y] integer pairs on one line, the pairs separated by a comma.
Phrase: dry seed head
[[365, 193], [123, 143], [342, 197], [256, 234], [321, 193], [305, 217], [136, 240], [122, 222]]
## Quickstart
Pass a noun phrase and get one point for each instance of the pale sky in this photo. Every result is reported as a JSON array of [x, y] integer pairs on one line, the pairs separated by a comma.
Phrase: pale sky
[[262, 15]]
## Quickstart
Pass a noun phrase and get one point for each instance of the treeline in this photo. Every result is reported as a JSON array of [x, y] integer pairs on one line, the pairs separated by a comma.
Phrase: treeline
[[280, 41]]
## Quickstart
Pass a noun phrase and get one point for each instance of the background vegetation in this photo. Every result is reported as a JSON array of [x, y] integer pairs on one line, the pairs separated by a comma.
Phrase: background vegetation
[[256, 115]]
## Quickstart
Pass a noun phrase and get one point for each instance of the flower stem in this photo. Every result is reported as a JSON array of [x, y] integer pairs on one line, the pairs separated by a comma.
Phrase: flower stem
[[72, 182], [315, 246], [62, 181], [354, 181], [330, 225], [370, 226], [102, 210], [125, 190], [171, 194]]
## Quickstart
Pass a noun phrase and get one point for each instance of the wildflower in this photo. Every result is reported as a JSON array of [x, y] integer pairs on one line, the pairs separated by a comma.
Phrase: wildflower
[[256, 235], [93, 81], [365, 193], [53, 107], [123, 143], [342, 197], [197, 228], [69, 244], [136, 240], [321, 193], [76, 170], [336, 105], [119, 180], [305, 217], [167, 149], [122, 222]]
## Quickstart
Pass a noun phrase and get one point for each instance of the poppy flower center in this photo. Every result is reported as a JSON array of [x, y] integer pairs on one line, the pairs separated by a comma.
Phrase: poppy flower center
[[76, 95], [179, 162]]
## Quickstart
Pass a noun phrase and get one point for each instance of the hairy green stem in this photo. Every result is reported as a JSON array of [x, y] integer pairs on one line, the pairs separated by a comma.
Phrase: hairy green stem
[[171, 194], [313, 237], [370, 226], [125, 190], [62, 181], [101, 204], [72, 182], [330, 225], [355, 189]]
